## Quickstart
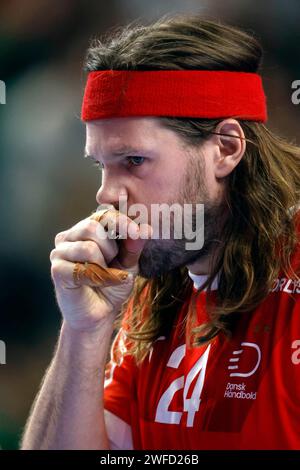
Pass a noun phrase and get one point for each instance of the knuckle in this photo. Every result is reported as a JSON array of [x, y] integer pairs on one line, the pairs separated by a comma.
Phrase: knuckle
[[59, 238], [56, 270], [100, 232], [52, 254], [91, 227], [86, 230]]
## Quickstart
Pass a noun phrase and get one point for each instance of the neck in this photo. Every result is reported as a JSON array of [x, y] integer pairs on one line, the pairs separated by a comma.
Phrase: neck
[[200, 267], [206, 264]]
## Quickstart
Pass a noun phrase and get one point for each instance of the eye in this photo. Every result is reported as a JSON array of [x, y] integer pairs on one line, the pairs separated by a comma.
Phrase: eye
[[135, 161]]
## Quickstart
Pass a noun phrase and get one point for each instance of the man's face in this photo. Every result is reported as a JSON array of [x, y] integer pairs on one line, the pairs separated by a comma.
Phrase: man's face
[[149, 164]]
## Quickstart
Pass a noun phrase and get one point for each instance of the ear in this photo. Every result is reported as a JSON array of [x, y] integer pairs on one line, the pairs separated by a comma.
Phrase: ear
[[231, 147]]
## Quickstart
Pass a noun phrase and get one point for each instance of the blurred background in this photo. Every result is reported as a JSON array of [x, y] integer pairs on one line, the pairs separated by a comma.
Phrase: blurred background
[[45, 183]]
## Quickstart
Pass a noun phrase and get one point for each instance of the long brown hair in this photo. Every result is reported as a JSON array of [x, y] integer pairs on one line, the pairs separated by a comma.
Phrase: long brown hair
[[261, 190]]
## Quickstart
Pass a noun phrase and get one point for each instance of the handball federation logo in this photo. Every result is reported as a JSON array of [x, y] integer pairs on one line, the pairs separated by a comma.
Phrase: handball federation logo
[[251, 365]]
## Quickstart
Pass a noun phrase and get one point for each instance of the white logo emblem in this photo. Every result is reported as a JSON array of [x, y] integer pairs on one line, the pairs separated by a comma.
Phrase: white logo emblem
[[236, 358]]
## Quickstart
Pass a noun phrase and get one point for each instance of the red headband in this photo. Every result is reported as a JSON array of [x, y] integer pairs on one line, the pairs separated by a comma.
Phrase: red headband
[[177, 93]]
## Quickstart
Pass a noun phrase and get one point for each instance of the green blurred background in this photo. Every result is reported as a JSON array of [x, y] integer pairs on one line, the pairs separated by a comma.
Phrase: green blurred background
[[46, 185]]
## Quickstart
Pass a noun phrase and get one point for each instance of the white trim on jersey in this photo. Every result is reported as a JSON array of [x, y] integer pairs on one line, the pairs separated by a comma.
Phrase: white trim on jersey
[[118, 431], [199, 280]]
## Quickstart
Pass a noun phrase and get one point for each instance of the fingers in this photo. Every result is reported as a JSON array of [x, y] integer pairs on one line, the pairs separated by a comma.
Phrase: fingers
[[62, 274], [130, 250], [113, 220], [79, 251], [98, 230], [133, 236], [89, 267], [88, 241], [74, 275], [90, 230], [94, 275]]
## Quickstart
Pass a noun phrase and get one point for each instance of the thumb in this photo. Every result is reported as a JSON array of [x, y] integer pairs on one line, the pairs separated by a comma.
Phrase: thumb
[[130, 249]]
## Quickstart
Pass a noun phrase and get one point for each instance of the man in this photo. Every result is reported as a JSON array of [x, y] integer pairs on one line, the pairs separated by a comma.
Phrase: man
[[207, 353]]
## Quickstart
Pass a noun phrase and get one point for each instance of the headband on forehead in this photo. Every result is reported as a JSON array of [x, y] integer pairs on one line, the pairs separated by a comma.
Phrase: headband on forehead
[[177, 93]]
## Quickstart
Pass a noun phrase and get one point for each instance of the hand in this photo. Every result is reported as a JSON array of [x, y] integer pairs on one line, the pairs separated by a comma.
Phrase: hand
[[85, 302]]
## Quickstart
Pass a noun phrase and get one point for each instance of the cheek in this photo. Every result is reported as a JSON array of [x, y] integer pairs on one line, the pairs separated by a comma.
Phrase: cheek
[[161, 186], [161, 183], [209, 178], [212, 184]]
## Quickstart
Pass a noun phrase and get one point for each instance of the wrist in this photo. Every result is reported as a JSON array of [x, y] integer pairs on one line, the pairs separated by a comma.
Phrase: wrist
[[86, 347]]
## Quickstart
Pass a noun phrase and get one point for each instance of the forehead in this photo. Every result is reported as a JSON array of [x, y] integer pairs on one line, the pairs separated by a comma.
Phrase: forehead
[[115, 135], [116, 129]]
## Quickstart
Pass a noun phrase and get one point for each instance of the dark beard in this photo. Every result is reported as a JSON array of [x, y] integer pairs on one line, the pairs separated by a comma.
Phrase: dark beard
[[161, 256]]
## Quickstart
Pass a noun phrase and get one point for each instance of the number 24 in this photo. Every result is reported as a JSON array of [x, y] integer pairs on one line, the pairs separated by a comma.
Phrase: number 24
[[190, 405]]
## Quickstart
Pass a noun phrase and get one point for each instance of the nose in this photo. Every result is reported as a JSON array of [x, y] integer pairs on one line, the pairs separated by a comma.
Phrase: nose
[[111, 191]]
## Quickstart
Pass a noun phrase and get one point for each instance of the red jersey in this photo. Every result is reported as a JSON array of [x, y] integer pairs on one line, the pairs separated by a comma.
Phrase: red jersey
[[242, 393]]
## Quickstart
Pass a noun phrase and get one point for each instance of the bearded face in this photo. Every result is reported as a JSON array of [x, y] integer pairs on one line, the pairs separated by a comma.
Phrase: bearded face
[[162, 255]]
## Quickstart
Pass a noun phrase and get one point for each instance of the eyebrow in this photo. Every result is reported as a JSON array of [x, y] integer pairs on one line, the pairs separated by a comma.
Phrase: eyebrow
[[125, 150]]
